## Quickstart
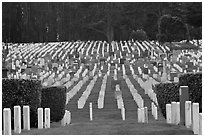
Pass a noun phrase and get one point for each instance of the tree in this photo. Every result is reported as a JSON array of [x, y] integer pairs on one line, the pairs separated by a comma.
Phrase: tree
[[194, 18], [63, 21], [139, 35], [172, 27]]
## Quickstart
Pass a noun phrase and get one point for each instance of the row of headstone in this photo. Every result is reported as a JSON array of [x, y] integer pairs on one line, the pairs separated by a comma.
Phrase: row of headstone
[[86, 93], [193, 119], [102, 93], [26, 119]]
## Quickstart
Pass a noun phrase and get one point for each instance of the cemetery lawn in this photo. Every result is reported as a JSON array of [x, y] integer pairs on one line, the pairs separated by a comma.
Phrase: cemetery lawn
[[112, 126]]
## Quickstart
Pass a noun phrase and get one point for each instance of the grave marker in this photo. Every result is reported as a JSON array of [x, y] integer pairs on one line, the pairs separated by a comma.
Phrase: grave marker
[[168, 113], [188, 112], [7, 121], [47, 117], [183, 95], [17, 119], [40, 118], [200, 124], [91, 111], [195, 118], [26, 117]]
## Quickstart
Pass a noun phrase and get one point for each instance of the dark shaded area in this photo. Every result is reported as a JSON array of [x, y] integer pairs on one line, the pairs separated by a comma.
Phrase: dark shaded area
[[55, 99], [70, 21]]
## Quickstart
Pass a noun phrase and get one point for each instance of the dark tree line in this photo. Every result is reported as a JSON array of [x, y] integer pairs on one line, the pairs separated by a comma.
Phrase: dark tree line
[[67, 21]]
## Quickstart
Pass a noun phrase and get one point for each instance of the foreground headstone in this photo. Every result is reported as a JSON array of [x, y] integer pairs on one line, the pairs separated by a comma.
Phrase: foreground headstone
[[40, 118], [168, 113], [188, 112], [91, 111], [7, 121], [63, 121], [152, 107], [26, 117], [17, 119], [173, 112], [145, 115], [178, 113], [142, 115], [139, 115], [123, 112], [195, 118], [68, 117], [47, 117], [183, 95], [200, 124]]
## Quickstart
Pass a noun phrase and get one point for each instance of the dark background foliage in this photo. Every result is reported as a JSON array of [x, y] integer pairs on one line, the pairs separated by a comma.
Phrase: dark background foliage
[[67, 21]]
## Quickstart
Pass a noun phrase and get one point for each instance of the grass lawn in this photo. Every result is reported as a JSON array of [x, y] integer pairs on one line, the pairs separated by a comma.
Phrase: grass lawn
[[108, 121], [113, 127]]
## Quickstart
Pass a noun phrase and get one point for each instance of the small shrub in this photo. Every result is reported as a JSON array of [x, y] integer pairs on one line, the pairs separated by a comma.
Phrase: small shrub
[[166, 93], [55, 99]]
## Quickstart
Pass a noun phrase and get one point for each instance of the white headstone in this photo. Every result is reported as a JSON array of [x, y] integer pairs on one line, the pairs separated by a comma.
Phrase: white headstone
[[195, 118], [40, 118], [139, 117], [123, 112], [26, 117], [173, 112], [47, 117], [68, 117], [17, 119], [142, 115], [178, 112], [168, 113], [188, 112], [145, 114], [200, 124], [91, 111], [7, 121]]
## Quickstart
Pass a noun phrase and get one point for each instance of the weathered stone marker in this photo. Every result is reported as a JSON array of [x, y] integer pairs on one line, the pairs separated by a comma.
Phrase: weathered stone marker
[[91, 111], [173, 112], [184, 96], [26, 117], [123, 112], [68, 117], [47, 117], [145, 115], [139, 115], [177, 113], [152, 107], [40, 118], [17, 119], [63, 121], [142, 115], [7, 121], [200, 124], [168, 113], [188, 112], [155, 113], [195, 118]]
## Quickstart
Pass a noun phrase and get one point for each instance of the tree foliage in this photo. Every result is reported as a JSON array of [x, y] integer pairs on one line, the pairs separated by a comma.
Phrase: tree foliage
[[66, 21], [171, 29], [139, 35]]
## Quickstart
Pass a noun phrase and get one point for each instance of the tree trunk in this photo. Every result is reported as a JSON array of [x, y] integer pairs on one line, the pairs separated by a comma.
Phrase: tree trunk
[[187, 33], [110, 33]]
